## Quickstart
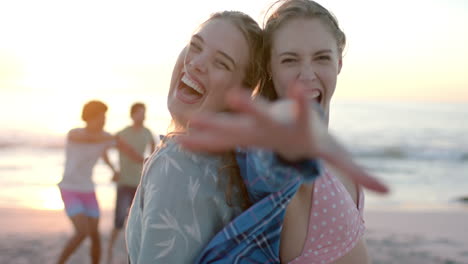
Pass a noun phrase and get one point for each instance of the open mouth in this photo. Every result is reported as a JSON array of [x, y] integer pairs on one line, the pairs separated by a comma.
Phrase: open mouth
[[315, 95], [189, 90]]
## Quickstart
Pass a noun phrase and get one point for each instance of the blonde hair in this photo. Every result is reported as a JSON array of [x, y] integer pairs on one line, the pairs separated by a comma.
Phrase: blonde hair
[[254, 36], [279, 14], [253, 73]]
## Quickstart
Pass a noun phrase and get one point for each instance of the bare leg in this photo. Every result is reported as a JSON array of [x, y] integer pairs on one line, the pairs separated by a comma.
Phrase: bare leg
[[80, 223], [95, 250], [114, 235]]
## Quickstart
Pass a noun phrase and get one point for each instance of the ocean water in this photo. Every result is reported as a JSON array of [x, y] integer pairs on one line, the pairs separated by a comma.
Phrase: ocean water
[[419, 149]]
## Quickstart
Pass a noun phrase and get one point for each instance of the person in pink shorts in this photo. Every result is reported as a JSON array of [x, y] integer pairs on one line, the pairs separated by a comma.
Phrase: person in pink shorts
[[83, 148], [80, 203]]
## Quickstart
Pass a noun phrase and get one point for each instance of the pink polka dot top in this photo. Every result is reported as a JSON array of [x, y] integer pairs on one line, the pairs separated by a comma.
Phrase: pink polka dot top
[[335, 223]]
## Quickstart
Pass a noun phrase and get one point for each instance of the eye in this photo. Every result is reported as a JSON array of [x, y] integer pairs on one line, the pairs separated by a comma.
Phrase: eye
[[222, 64], [324, 57], [195, 47], [288, 60]]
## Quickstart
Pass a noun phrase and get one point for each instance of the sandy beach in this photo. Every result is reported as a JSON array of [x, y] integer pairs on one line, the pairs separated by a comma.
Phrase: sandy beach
[[417, 237], [34, 236], [410, 237]]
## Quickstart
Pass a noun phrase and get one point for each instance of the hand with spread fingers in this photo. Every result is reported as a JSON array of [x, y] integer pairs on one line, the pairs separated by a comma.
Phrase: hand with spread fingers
[[293, 128]]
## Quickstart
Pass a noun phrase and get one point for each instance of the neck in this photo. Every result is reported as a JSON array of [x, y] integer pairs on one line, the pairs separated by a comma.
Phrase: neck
[[92, 129], [176, 127], [137, 125]]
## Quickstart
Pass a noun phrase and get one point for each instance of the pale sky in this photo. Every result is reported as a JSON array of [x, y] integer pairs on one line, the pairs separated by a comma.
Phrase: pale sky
[[72, 51], [397, 49]]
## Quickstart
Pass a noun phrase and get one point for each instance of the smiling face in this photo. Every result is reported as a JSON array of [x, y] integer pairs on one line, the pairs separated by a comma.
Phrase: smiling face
[[304, 50], [215, 62]]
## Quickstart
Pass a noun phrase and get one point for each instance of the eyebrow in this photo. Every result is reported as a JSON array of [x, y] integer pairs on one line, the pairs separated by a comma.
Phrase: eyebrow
[[323, 51], [225, 55], [315, 54]]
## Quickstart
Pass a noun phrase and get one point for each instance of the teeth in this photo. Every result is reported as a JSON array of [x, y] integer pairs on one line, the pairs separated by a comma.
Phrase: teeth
[[314, 94], [192, 84]]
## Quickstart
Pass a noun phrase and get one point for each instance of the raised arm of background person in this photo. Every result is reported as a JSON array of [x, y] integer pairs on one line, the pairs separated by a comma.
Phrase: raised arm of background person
[[123, 146], [79, 135]]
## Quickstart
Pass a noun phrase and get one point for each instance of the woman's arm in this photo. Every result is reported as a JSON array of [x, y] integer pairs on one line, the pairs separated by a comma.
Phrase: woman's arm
[[299, 135]]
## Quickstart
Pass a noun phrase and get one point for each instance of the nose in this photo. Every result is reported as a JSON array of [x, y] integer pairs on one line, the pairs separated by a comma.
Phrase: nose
[[307, 73], [198, 63]]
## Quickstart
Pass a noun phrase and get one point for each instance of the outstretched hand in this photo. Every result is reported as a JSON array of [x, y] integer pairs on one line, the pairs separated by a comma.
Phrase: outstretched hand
[[292, 128]]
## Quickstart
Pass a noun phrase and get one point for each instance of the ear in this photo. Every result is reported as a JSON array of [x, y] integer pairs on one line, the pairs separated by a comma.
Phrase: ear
[[340, 65]]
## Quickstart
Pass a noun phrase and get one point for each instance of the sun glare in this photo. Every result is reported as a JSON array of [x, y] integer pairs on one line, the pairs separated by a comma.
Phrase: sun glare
[[53, 51], [48, 199]]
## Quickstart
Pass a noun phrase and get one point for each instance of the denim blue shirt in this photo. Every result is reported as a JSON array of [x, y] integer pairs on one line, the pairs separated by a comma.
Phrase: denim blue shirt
[[254, 236]]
